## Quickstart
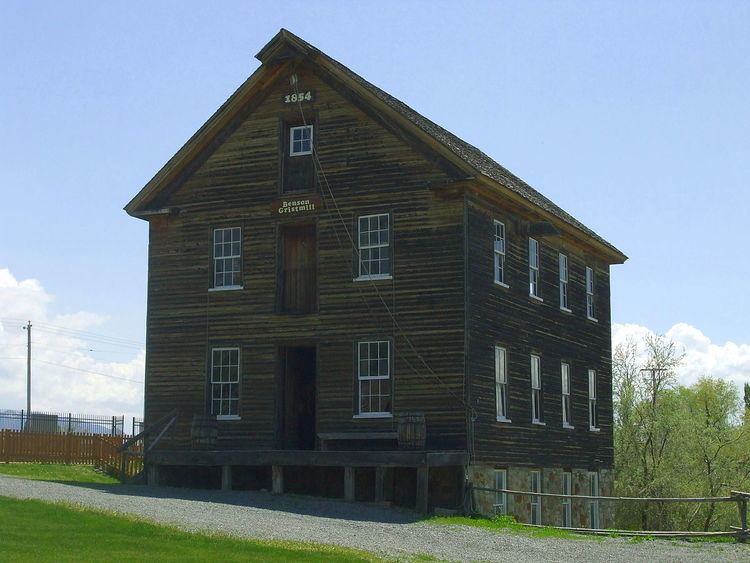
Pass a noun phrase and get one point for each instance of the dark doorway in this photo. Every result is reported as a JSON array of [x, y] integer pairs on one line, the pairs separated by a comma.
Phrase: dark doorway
[[296, 416], [298, 288]]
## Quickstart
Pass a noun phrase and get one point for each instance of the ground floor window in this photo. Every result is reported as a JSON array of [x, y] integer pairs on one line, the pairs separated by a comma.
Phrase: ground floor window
[[374, 377], [225, 382], [536, 501], [501, 499]]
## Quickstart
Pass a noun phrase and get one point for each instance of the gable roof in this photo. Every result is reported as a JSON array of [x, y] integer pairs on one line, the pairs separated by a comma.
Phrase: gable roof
[[286, 46]]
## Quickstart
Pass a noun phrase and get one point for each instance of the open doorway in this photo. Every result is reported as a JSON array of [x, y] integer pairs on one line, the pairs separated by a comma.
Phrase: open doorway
[[296, 397]]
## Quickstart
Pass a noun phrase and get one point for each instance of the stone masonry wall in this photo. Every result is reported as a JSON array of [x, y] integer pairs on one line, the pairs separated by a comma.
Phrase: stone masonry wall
[[519, 506]]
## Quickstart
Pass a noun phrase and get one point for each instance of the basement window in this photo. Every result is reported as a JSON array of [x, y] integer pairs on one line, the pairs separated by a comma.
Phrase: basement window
[[535, 483], [501, 499], [594, 504], [374, 378], [225, 382], [567, 509]]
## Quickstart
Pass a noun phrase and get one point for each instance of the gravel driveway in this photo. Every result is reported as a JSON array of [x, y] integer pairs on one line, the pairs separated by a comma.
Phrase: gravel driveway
[[389, 532]]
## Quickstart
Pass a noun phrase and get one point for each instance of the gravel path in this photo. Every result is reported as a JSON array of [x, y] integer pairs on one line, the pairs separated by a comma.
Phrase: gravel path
[[389, 532]]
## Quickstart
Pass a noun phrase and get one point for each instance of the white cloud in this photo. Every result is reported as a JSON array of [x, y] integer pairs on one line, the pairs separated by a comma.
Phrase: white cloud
[[56, 388], [729, 361]]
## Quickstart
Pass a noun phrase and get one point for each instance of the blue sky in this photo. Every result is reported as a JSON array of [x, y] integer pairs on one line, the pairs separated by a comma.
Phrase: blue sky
[[633, 116]]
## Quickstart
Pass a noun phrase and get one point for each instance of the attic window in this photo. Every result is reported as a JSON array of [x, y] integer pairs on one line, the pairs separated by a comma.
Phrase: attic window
[[300, 140]]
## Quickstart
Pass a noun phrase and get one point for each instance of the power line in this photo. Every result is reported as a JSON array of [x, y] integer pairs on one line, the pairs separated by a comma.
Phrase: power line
[[89, 371], [73, 368], [83, 333]]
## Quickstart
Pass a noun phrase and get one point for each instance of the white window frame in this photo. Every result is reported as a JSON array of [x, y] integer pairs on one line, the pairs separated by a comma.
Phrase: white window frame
[[221, 257], [567, 505], [593, 402], [537, 417], [499, 253], [367, 219], [501, 384], [380, 413], [292, 130], [221, 383], [564, 271], [501, 499], [535, 502], [594, 504], [565, 394], [534, 262], [590, 301]]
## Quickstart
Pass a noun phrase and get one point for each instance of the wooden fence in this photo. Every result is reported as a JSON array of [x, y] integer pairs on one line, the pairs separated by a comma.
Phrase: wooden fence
[[82, 449], [740, 533]]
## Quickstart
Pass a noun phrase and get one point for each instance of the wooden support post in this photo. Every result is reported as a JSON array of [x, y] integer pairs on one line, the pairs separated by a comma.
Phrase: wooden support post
[[741, 498], [226, 477], [379, 478], [277, 480], [423, 480], [152, 475], [348, 483]]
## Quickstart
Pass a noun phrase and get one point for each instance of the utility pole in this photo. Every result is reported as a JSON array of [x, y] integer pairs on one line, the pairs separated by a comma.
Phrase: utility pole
[[27, 328]]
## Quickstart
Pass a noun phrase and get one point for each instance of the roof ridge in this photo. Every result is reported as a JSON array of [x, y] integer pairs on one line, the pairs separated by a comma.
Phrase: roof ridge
[[467, 152]]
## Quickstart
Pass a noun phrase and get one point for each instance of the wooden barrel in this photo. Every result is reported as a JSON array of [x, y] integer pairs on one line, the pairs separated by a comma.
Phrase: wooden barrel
[[412, 431], [204, 432]]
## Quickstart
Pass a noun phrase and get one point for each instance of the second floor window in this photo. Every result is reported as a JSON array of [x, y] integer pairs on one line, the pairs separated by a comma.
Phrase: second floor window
[[499, 252], [593, 406], [563, 266], [590, 303], [374, 378], [534, 268], [536, 389], [501, 384], [565, 375], [374, 246], [227, 249], [225, 382], [300, 140]]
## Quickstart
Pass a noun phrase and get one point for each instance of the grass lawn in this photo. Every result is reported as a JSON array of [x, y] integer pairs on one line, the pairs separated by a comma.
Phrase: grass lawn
[[506, 523], [56, 472], [38, 531]]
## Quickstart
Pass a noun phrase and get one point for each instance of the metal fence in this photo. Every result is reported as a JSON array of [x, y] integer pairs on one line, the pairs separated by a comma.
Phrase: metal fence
[[65, 423]]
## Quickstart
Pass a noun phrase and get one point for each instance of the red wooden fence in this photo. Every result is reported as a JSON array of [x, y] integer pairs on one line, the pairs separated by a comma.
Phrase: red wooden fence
[[83, 449]]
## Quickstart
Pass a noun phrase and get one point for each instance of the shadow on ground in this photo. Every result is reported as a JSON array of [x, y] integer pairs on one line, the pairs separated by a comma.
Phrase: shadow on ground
[[320, 507]]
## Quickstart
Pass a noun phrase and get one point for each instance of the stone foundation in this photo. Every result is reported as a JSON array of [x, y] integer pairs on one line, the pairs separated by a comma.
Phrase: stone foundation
[[519, 506]]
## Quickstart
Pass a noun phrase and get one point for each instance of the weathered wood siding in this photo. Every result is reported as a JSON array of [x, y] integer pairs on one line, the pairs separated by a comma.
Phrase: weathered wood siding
[[370, 170], [509, 318]]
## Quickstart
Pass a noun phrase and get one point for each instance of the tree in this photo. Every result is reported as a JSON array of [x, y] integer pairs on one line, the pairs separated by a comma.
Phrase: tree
[[644, 423]]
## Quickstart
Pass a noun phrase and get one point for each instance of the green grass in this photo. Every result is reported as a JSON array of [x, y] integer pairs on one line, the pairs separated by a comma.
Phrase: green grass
[[37, 531], [507, 524], [56, 472]]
